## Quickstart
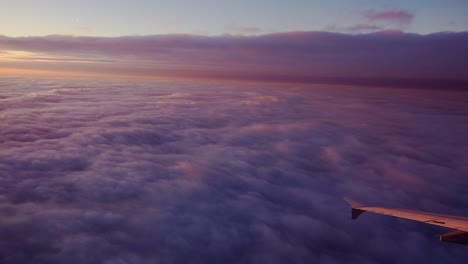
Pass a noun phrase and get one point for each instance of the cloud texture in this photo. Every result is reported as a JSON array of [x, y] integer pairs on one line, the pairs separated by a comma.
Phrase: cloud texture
[[387, 58], [174, 172]]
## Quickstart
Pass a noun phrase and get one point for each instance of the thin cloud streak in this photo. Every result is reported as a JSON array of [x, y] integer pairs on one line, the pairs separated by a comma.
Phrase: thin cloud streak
[[389, 58], [363, 27], [398, 16]]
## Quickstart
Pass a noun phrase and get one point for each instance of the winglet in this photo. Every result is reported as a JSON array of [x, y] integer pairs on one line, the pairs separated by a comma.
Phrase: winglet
[[353, 204], [355, 213]]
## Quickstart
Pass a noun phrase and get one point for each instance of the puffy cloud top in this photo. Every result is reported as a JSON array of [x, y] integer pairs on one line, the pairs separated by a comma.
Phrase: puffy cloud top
[[97, 171]]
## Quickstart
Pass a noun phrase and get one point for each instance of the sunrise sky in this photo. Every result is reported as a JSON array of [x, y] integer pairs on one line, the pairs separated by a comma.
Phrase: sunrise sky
[[211, 17], [390, 43]]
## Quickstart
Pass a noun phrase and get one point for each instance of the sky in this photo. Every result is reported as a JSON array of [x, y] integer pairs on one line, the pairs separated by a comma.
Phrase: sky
[[381, 43], [211, 17]]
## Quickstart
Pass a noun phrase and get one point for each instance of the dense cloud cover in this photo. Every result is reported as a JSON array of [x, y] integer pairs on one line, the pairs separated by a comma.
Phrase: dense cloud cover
[[97, 171], [387, 58]]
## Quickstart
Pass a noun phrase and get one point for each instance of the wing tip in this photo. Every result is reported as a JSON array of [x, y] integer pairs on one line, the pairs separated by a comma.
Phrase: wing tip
[[353, 203], [355, 212]]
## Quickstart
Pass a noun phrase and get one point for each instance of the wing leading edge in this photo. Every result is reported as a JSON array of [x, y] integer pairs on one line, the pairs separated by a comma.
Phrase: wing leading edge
[[459, 236]]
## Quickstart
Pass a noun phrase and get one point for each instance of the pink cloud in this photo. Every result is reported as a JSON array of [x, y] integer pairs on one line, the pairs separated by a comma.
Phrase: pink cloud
[[187, 168], [332, 154], [396, 16]]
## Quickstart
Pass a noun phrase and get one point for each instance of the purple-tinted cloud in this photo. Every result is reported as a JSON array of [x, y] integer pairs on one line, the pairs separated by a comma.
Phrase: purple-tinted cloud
[[95, 171], [395, 16], [377, 58]]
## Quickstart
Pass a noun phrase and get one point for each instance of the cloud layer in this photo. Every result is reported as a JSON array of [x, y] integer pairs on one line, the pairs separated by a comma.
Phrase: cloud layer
[[387, 58], [174, 172]]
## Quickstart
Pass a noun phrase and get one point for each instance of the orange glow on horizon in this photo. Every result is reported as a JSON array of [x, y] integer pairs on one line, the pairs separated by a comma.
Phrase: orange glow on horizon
[[16, 71], [52, 73], [24, 72]]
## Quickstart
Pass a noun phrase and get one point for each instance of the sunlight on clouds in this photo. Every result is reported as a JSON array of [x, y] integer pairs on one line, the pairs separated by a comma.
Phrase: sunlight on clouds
[[15, 55], [26, 56], [31, 72]]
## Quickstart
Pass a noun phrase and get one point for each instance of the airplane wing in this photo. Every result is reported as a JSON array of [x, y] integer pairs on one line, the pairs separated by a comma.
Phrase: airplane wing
[[459, 223]]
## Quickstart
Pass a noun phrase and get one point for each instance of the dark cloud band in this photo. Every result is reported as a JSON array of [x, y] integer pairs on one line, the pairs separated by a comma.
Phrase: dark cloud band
[[386, 58]]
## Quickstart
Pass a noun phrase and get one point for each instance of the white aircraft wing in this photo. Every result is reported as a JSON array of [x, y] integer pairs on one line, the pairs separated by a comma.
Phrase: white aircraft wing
[[460, 235]]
